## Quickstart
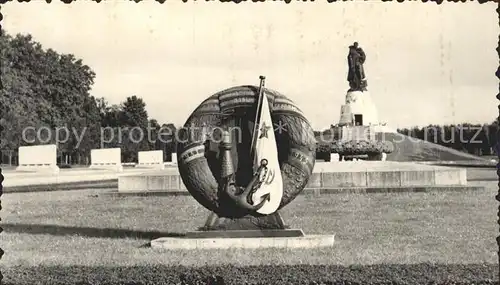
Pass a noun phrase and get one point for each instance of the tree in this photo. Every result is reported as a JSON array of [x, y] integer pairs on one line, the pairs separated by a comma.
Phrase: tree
[[168, 137], [40, 88], [134, 128], [134, 112], [153, 135]]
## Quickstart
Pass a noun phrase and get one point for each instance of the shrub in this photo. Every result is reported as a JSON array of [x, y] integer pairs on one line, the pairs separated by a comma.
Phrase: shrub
[[373, 149], [323, 151], [355, 147]]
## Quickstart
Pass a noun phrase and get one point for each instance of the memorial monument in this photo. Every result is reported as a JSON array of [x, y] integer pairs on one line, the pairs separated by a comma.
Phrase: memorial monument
[[358, 109], [244, 154], [254, 169]]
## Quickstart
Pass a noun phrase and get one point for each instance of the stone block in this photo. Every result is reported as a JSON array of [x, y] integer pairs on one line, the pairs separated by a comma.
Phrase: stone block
[[343, 179], [383, 178], [128, 183], [151, 159], [418, 177], [314, 181], [450, 176], [106, 158], [38, 158]]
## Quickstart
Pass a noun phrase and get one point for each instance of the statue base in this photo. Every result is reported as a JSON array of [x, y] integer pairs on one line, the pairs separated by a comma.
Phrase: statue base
[[358, 110], [245, 227]]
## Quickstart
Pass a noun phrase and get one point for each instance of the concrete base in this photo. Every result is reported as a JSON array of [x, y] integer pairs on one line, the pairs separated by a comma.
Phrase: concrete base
[[326, 175], [49, 169], [324, 191], [112, 167], [247, 234], [182, 243], [150, 166]]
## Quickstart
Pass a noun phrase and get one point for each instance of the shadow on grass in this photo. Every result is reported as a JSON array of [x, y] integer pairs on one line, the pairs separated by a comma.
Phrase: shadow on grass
[[57, 230]]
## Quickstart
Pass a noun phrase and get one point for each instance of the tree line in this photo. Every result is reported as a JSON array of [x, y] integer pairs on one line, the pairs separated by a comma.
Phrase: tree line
[[46, 98], [471, 138]]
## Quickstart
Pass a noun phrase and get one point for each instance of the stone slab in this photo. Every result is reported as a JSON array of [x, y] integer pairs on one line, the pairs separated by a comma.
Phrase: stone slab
[[343, 179], [328, 191], [385, 179], [246, 233], [182, 243], [412, 178], [167, 179], [150, 159], [106, 158], [315, 180], [51, 169], [38, 158], [451, 176]]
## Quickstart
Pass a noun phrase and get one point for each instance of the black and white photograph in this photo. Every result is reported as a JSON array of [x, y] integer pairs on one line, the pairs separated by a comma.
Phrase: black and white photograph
[[249, 142]]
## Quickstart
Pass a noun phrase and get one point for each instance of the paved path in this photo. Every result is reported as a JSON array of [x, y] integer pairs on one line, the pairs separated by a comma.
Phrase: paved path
[[13, 178]]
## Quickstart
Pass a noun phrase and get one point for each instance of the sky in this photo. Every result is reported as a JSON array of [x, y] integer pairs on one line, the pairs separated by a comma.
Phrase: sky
[[426, 63]]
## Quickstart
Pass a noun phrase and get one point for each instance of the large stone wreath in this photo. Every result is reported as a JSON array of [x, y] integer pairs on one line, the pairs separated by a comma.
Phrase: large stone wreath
[[198, 152]]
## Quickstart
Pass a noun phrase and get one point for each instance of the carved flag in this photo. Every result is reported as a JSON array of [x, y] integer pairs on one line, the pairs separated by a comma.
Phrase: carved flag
[[266, 148]]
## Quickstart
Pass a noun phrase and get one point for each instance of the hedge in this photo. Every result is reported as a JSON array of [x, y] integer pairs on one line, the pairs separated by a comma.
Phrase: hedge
[[358, 147], [479, 274], [354, 147]]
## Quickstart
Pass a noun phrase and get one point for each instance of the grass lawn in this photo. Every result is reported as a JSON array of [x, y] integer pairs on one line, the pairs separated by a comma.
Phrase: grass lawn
[[85, 228], [411, 149]]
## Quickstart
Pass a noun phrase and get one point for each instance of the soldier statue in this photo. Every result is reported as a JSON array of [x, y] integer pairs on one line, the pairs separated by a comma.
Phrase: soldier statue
[[356, 75]]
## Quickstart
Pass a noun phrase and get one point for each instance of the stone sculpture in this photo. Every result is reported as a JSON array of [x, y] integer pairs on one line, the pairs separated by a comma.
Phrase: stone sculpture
[[356, 74], [223, 175]]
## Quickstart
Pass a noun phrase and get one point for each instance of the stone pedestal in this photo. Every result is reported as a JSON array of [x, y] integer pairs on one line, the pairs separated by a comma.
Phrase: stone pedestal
[[358, 109], [247, 232], [41, 168], [245, 227]]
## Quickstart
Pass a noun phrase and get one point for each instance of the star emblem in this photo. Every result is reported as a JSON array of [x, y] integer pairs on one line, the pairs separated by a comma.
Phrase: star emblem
[[264, 130], [280, 127]]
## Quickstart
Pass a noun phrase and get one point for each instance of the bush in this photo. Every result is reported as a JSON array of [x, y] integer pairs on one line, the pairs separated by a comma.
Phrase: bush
[[387, 146], [373, 149], [323, 151], [361, 147]]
